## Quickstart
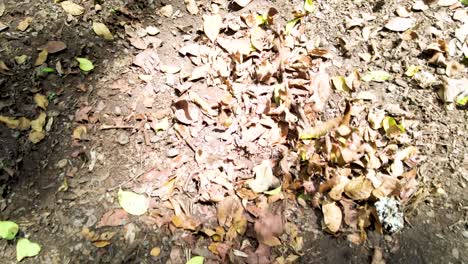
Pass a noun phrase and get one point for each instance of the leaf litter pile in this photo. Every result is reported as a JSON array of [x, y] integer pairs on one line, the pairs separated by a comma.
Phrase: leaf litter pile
[[268, 134]]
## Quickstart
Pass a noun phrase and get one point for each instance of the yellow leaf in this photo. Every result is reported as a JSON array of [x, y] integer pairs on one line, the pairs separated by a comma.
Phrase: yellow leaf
[[41, 101], [9, 121], [41, 58], [24, 123], [359, 188], [309, 6], [155, 251], [36, 136], [21, 59], [340, 84], [412, 70], [24, 24], [133, 203], [102, 30], [80, 132], [101, 244], [38, 123], [72, 8]]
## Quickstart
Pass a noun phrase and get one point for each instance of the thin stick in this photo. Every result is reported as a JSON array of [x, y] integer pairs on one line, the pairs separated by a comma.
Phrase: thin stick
[[103, 127]]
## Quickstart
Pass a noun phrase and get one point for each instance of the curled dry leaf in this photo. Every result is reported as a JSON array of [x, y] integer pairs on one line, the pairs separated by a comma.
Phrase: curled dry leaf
[[212, 26], [55, 46], [72, 8], [186, 112], [102, 30], [332, 217], [359, 188]]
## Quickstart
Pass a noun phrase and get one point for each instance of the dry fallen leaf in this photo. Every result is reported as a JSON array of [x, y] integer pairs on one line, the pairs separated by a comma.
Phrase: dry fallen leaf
[[42, 57], [332, 217], [242, 3], [72, 8], [79, 133], [191, 6], [102, 30], [268, 228], [359, 188], [400, 24], [55, 46], [186, 112], [166, 10], [264, 178], [114, 217], [155, 251], [41, 101], [24, 24], [212, 26]]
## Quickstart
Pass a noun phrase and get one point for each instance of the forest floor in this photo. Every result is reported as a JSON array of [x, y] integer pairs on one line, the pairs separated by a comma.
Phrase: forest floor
[[278, 132]]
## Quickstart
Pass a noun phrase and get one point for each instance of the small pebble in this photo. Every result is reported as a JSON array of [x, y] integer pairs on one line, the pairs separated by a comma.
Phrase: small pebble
[[172, 152], [61, 163], [117, 111], [123, 138], [455, 253], [465, 233]]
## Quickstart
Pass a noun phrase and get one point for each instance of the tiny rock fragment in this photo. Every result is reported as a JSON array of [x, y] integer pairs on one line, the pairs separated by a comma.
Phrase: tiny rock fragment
[[166, 11], [191, 6], [390, 215], [151, 30], [123, 138]]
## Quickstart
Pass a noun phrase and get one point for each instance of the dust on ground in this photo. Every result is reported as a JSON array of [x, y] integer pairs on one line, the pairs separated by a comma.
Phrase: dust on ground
[[62, 190]]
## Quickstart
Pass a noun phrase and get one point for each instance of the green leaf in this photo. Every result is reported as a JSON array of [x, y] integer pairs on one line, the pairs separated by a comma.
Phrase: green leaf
[[340, 83], [290, 25], [261, 19], [462, 100], [196, 260], [48, 70], [391, 126], [412, 70], [85, 64], [8, 230], [26, 248], [133, 203], [162, 125], [309, 6], [275, 191], [465, 2], [376, 76]]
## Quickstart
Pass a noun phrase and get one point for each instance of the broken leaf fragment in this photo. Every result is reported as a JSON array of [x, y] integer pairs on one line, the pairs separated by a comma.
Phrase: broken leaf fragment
[[196, 260], [133, 203], [79, 133], [161, 125], [85, 64], [26, 248], [102, 30], [72, 8], [9, 121], [8, 230], [291, 24], [212, 26], [37, 133], [21, 59], [155, 251], [41, 101], [376, 76], [412, 70], [309, 6], [24, 24], [391, 126], [42, 57], [332, 217], [400, 24], [359, 188]]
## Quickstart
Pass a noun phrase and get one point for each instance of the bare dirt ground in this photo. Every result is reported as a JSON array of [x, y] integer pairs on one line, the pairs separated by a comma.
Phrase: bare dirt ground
[[231, 144]]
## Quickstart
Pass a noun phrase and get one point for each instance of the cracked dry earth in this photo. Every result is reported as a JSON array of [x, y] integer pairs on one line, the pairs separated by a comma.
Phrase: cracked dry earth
[[275, 132]]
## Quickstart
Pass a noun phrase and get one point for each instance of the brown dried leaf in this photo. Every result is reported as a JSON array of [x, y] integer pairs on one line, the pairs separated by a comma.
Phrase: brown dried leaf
[[268, 228], [24, 24], [332, 217], [399, 24], [359, 188], [55, 46], [41, 58], [191, 6], [72, 8], [186, 112], [185, 222], [212, 26], [114, 217]]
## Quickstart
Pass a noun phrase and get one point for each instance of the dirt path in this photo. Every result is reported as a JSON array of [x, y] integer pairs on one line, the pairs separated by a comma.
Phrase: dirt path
[[222, 122]]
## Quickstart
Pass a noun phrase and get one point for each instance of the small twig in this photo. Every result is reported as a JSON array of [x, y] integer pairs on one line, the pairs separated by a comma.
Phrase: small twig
[[126, 182], [103, 127]]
